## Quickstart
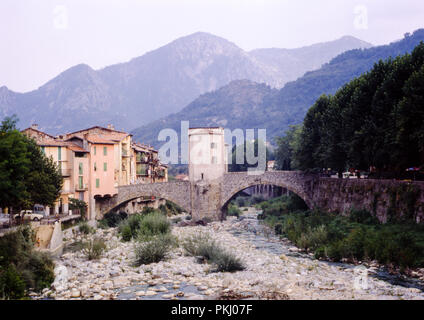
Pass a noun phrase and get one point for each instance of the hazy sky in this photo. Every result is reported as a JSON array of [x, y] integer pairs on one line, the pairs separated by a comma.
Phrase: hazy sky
[[39, 39]]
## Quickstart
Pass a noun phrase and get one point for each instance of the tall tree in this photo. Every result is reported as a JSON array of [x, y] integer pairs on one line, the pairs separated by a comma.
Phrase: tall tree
[[14, 165], [44, 181]]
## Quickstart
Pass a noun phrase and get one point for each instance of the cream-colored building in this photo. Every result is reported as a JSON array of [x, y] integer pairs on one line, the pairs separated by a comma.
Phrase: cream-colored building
[[207, 154]]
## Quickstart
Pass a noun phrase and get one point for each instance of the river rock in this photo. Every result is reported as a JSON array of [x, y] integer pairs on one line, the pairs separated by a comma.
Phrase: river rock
[[75, 293]]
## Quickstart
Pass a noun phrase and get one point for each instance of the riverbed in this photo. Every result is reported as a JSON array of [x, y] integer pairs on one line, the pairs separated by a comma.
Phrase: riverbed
[[275, 269]]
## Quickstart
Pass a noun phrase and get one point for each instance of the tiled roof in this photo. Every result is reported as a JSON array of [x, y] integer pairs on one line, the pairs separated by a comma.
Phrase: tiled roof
[[76, 148], [45, 140], [143, 147], [112, 134], [100, 139]]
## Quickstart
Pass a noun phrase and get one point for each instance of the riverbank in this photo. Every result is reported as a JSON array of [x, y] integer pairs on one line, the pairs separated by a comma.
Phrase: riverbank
[[274, 270]]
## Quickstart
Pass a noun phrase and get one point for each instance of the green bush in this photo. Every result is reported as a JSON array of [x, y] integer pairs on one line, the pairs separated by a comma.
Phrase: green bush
[[143, 226], [203, 246], [233, 211], [153, 224], [12, 286], [155, 250], [278, 228], [94, 248], [170, 208], [128, 228], [226, 262], [362, 216], [192, 244], [20, 263], [102, 224], [125, 231], [84, 228], [112, 219]]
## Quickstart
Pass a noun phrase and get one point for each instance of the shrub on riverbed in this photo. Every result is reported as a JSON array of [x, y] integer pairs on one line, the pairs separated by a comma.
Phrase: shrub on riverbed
[[94, 248], [154, 250], [112, 219], [153, 224], [356, 237], [84, 228], [144, 227], [200, 245]]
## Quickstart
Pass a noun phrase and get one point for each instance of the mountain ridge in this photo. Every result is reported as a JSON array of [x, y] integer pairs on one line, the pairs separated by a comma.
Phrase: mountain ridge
[[142, 90], [278, 109]]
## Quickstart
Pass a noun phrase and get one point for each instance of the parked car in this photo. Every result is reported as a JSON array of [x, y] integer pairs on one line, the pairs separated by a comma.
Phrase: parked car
[[29, 215], [4, 220]]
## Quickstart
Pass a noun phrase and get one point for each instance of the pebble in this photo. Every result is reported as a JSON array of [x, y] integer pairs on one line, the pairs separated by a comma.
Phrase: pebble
[[273, 268]]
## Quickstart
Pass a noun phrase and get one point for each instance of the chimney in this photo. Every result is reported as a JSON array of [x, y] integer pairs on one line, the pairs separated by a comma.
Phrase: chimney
[[34, 126], [111, 127]]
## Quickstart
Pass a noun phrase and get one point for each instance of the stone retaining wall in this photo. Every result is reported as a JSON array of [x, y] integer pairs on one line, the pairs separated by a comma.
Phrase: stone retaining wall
[[384, 198]]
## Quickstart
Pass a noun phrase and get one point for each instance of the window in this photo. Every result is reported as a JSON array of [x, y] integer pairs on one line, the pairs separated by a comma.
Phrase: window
[[59, 153], [97, 183], [105, 166], [80, 169], [43, 149], [105, 151], [80, 183], [214, 160], [95, 166], [95, 150], [213, 145]]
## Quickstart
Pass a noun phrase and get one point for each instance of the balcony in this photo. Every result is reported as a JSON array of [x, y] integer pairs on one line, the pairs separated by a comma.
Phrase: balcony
[[143, 173], [80, 188], [66, 172], [125, 153]]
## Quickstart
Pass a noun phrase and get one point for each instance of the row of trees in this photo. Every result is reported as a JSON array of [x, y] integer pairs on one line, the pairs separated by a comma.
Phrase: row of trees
[[27, 176], [376, 120], [252, 155]]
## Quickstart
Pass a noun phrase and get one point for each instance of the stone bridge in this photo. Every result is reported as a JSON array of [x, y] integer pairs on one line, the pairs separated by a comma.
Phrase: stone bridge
[[210, 199]]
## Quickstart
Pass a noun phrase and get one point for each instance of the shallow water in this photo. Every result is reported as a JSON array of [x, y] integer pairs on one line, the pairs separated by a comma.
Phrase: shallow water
[[254, 232], [184, 287]]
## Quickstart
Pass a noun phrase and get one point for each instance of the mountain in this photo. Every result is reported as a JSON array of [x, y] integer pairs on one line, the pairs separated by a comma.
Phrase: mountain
[[291, 64], [244, 104], [159, 83], [236, 105]]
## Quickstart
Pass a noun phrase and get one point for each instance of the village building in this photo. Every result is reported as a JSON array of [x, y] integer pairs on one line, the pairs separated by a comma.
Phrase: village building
[[94, 162]]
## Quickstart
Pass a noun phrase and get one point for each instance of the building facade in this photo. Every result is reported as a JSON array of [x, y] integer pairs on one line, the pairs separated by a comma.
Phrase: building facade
[[95, 161], [207, 154]]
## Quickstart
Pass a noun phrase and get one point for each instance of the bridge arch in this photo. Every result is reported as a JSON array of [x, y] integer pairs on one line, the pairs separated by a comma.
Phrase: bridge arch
[[236, 182], [176, 192]]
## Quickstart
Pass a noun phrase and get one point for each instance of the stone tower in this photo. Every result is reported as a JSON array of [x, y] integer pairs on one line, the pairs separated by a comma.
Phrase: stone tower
[[207, 166]]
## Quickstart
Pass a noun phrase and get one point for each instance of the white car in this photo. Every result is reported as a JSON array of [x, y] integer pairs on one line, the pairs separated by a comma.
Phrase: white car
[[29, 215]]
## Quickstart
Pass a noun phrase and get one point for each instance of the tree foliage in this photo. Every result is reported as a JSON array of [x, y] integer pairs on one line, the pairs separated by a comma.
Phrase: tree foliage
[[27, 176], [254, 149], [376, 120]]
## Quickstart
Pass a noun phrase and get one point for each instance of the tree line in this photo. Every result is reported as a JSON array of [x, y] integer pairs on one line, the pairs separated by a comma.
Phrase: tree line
[[27, 176], [375, 121]]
